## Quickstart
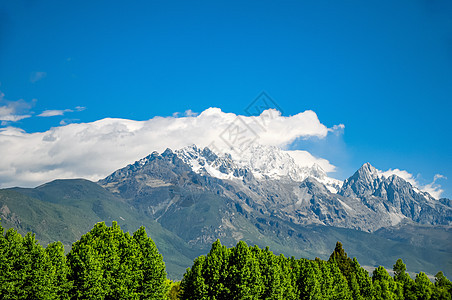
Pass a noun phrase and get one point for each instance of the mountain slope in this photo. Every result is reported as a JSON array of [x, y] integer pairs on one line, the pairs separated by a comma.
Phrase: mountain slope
[[63, 210]]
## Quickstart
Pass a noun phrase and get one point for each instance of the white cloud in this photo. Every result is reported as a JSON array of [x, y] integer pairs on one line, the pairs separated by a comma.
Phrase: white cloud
[[54, 112], [94, 150], [36, 76], [68, 121], [339, 127], [187, 113], [304, 158], [13, 111], [190, 113], [402, 174], [60, 112], [433, 188]]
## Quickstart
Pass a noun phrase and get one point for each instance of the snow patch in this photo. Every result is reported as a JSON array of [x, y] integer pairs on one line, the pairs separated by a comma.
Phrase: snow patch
[[344, 204], [396, 218]]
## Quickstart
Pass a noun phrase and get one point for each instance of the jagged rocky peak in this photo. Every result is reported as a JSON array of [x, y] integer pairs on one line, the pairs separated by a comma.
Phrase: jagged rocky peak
[[368, 181], [192, 153], [206, 162], [167, 153], [364, 182], [313, 186], [368, 171], [317, 171]]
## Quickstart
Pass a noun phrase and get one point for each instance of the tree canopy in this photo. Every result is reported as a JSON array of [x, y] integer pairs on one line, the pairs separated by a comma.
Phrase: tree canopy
[[107, 263]]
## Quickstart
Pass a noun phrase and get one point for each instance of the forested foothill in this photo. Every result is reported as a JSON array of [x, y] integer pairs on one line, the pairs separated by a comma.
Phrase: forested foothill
[[107, 263]]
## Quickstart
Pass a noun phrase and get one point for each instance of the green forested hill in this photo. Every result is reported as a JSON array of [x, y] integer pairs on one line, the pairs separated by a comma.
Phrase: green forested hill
[[64, 210]]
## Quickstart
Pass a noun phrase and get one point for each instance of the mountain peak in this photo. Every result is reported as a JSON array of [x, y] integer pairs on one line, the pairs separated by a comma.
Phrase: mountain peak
[[367, 173], [167, 152], [365, 181], [367, 168]]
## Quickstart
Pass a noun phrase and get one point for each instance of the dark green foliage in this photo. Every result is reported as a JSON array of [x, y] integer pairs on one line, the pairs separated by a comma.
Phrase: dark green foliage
[[363, 282], [216, 272], [385, 287], [307, 279], [239, 273], [423, 287], [343, 262], [174, 290], [443, 287], [107, 263], [400, 274], [244, 272], [358, 279], [403, 278], [193, 284], [151, 266]]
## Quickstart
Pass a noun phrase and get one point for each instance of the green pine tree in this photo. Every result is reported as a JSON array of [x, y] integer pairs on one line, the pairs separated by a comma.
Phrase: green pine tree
[[344, 262], [443, 287], [215, 272], [385, 287], [423, 287], [363, 281], [244, 274], [404, 279], [193, 285], [152, 284]]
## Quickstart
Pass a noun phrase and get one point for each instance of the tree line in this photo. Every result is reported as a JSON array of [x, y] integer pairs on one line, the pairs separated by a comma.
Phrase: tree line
[[107, 263], [244, 272]]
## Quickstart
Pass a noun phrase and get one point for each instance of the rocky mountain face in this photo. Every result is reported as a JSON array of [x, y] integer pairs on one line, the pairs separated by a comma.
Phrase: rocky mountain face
[[395, 197], [266, 184]]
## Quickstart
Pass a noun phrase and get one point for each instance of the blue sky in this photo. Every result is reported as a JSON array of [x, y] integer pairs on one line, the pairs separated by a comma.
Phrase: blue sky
[[381, 68]]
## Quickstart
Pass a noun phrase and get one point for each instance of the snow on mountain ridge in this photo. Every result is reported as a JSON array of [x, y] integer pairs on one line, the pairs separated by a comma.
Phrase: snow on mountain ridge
[[204, 161], [265, 162]]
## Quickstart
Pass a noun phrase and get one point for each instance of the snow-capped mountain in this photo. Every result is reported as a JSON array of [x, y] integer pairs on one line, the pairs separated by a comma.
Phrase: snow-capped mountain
[[206, 162], [265, 162], [265, 183]]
